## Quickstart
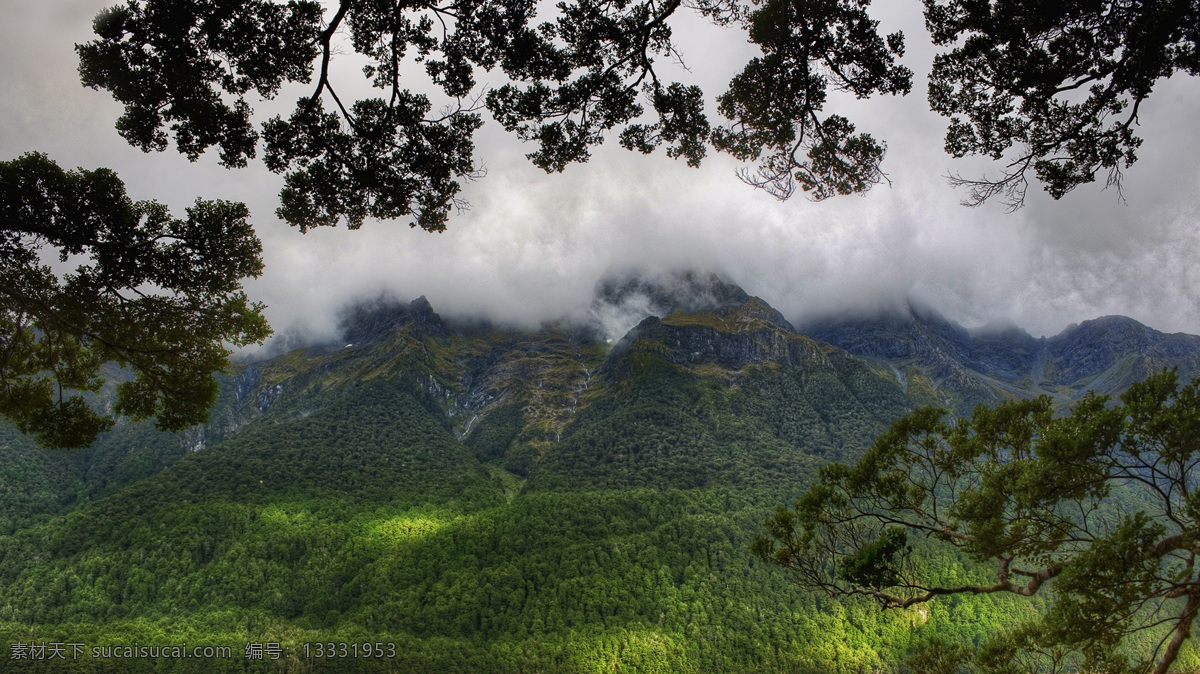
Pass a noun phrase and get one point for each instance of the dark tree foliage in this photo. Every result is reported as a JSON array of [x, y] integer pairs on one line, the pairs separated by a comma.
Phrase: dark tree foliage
[[773, 103], [158, 295], [185, 69], [1053, 88], [1049, 88], [1101, 506]]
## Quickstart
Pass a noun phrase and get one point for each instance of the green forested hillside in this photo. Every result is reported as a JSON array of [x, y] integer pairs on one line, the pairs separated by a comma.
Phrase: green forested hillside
[[486, 500], [655, 581]]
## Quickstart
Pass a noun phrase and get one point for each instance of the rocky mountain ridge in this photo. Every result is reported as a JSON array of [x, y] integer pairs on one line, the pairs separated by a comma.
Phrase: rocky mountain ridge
[[701, 322], [714, 329], [1104, 355], [696, 345]]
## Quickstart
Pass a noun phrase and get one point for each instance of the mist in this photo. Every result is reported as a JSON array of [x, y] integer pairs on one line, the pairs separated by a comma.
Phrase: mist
[[532, 246]]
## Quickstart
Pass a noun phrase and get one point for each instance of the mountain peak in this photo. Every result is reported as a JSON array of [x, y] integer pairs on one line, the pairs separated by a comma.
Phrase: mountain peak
[[624, 300], [376, 320], [1106, 324]]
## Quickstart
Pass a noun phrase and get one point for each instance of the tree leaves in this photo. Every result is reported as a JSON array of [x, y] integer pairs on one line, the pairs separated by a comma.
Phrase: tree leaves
[[174, 63], [156, 294], [774, 102], [185, 72], [1099, 502], [390, 164], [1052, 88]]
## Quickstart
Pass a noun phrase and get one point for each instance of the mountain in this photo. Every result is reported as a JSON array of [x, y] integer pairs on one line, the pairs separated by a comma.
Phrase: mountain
[[988, 366], [621, 301], [486, 498]]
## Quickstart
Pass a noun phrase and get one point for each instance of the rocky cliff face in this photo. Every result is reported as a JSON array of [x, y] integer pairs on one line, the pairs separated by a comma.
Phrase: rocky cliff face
[[731, 337], [1092, 347], [1008, 355], [920, 341]]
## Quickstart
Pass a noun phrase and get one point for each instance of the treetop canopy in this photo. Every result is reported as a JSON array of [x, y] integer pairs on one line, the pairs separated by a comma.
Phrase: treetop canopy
[[1048, 88]]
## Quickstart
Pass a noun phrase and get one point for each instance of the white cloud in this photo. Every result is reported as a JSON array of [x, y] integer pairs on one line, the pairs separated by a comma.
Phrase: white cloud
[[533, 245]]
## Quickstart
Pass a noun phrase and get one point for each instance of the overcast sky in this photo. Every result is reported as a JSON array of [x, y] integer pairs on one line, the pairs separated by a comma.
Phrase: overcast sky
[[532, 245]]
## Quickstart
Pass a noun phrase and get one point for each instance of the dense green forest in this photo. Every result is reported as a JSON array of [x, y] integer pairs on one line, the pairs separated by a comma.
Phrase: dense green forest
[[367, 521], [474, 500]]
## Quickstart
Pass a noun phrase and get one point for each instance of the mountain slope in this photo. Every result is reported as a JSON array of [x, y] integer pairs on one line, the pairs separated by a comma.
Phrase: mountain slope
[[495, 499], [1104, 355]]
